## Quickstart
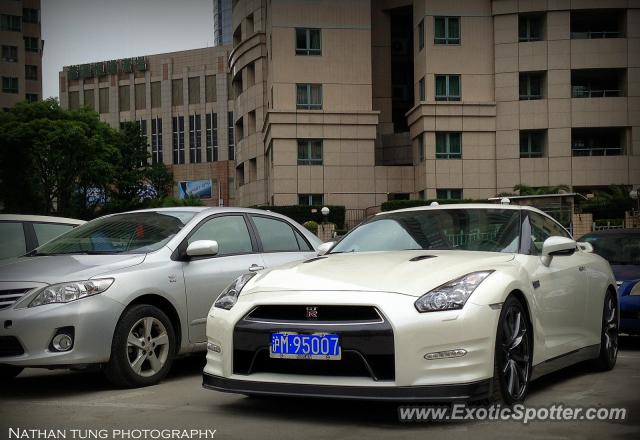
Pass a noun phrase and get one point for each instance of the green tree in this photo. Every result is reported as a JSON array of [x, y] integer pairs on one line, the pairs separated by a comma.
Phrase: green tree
[[526, 190]]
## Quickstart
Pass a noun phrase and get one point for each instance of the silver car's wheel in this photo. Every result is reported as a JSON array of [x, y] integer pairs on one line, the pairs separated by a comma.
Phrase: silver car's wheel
[[143, 348], [147, 346]]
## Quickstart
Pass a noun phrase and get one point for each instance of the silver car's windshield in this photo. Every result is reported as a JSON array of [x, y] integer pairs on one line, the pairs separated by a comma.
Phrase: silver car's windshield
[[489, 230], [137, 232]]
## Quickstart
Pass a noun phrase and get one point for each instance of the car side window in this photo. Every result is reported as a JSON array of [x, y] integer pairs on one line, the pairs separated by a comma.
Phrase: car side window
[[541, 229], [230, 231], [12, 241], [276, 235], [48, 231], [302, 242]]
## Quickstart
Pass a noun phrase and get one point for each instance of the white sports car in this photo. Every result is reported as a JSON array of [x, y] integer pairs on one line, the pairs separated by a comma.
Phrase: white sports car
[[452, 302]]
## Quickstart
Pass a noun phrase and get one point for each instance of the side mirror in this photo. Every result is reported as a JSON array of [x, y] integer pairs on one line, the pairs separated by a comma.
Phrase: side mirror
[[202, 248], [324, 247], [555, 246]]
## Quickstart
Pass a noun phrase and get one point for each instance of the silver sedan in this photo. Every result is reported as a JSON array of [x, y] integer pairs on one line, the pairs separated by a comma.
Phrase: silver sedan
[[130, 292]]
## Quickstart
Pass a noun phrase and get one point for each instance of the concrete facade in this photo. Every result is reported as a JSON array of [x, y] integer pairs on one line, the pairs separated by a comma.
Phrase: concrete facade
[[186, 84], [21, 58]]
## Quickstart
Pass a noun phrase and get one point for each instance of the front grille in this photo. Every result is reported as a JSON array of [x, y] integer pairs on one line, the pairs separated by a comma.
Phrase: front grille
[[10, 346], [367, 346], [9, 297], [310, 313]]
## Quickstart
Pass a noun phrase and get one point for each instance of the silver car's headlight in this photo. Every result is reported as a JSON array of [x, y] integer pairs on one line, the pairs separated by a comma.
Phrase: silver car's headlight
[[67, 292], [229, 296], [452, 295]]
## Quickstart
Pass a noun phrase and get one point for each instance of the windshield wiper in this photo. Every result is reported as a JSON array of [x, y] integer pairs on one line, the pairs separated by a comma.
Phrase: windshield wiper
[[49, 254]]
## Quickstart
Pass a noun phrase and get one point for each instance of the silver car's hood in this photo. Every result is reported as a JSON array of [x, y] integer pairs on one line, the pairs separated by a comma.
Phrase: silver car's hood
[[60, 268], [407, 272]]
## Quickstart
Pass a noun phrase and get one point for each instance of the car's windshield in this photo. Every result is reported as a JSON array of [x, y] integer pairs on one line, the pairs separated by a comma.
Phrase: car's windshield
[[491, 230], [137, 232], [616, 248]]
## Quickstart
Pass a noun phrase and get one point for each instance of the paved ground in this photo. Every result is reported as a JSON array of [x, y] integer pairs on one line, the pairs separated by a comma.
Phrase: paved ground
[[42, 399]]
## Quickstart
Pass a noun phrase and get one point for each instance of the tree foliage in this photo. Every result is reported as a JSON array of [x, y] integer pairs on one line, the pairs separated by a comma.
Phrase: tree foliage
[[69, 163]]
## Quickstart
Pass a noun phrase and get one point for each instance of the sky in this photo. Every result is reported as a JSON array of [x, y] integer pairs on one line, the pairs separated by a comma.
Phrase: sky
[[84, 31]]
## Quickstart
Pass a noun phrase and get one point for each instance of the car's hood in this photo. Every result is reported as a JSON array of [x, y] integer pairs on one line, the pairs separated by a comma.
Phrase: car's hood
[[377, 271], [626, 272], [60, 268]]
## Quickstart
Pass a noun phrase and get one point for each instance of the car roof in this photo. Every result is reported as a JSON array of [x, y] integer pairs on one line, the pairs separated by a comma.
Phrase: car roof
[[205, 209], [40, 219], [466, 206]]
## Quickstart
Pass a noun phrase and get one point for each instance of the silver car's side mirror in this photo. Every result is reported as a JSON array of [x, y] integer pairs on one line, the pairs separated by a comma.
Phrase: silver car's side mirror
[[202, 248], [324, 247], [554, 246]]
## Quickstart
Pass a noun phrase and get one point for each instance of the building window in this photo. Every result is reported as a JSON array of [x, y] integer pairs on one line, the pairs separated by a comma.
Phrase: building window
[[598, 23], [309, 96], [142, 125], [194, 90], [597, 141], [530, 27], [10, 23], [598, 83], [30, 15], [124, 98], [156, 95], [212, 137], [446, 30], [140, 92], [449, 194], [309, 152], [421, 90], [531, 143], [422, 195], [176, 92], [103, 104], [9, 84], [31, 44], [195, 139], [421, 35], [447, 87], [10, 54], [30, 72], [448, 145], [308, 41], [177, 128], [210, 94], [74, 100], [31, 97], [89, 99], [421, 155], [531, 85], [232, 137], [310, 199], [156, 140]]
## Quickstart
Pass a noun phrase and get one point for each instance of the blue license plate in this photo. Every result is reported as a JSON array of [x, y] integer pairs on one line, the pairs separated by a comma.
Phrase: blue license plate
[[320, 346]]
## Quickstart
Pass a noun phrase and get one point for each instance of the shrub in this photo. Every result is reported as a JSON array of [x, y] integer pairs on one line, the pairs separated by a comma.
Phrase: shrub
[[311, 225], [303, 213]]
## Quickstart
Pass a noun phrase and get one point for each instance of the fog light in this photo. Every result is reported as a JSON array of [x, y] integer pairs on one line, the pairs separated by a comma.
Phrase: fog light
[[62, 342], [445, 354], [214, 347]]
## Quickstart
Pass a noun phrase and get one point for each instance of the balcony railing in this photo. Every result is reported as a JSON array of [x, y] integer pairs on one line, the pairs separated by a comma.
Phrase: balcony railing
[[584, 92], [596, 34], [596, 151]]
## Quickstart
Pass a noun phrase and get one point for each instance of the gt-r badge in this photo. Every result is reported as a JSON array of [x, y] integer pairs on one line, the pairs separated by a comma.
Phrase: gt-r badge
[[312, 313]]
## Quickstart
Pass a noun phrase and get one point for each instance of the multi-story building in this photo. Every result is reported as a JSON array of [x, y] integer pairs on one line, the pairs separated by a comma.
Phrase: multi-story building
[[221, 22], [354, 102], [21, 58], [183, 105]]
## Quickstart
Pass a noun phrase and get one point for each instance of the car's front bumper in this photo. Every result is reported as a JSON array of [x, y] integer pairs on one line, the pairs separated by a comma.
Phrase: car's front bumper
[[437, 393], [93, 320], [414, 334]]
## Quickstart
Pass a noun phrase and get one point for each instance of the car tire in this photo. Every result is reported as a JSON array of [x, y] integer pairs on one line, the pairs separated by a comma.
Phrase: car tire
[[9, 372], [608, 356], [143, 348], [513, 354]]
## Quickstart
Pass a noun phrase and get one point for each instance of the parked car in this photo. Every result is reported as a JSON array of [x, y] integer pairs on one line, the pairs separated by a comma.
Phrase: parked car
[[131, 291], [20, 234], [455, 302], [621, 247]]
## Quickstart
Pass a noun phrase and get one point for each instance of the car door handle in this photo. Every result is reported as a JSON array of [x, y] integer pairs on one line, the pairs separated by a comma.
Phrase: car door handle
[[581, 268], [255, 267]]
